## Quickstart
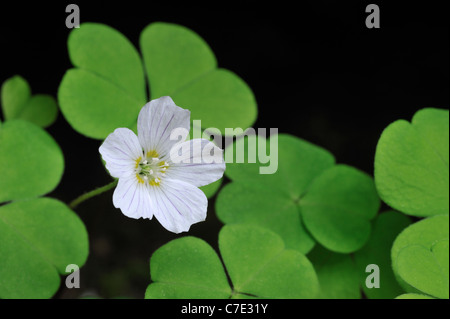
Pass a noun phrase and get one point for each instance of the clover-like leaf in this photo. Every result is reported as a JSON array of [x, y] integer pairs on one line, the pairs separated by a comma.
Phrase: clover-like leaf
[[255, 259], [412, 164], [337, 274], [32, 162], [18, 103], [106, 89], [307, 199], [187, 268], [179, 63], [420, 257], [377, 250], [38, 239]]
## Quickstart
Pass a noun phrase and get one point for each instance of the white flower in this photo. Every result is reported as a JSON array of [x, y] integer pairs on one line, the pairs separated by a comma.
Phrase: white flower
[[150, 182]]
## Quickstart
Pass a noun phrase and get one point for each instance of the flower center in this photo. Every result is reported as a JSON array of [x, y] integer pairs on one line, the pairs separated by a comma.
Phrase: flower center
[[151, 169]]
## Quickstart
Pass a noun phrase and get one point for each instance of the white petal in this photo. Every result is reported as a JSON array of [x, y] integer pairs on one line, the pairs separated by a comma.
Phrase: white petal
[[198, 162], [157, 120], [178, 205], [120, 150], [133, 198]]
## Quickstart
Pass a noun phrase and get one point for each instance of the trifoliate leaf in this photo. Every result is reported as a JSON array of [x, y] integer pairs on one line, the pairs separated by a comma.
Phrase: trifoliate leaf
[[32, 161], [255, 258], [18, 103], [420, 257], [180, 64], [39, 238], [377, 251], [106, 89], [308, 198], [259, 264], [411, 164]]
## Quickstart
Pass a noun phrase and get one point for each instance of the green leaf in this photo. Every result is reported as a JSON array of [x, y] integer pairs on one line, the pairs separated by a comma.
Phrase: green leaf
[[15, 93], [179, 63], [187, 268], [262, 205], [18, 103], [337, 274], [308, 195], [259, 264], [255, 258], [297, 161], [106, 89], [377, 251], [420, 257], [34, 161], [38, 239], [338, 207], [411, 164], [414, 296], [211, 189]]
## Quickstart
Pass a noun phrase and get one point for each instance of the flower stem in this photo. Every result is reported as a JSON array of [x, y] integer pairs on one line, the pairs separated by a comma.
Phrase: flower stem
[[92, 193]]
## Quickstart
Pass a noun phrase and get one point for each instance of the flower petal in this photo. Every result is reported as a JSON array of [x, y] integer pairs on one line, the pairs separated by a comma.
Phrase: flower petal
[[178, 205], [133, 198], [198, 162], [157, 120], [120, 150]]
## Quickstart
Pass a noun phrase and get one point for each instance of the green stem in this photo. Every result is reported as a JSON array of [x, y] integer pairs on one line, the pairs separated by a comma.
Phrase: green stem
[[92, 193]]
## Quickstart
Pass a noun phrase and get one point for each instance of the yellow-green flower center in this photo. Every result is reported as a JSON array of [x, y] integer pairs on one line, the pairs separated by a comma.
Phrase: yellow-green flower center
[[150, 169]]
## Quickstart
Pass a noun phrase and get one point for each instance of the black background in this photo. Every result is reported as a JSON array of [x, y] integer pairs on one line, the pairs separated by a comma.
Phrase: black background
[[316, 71]]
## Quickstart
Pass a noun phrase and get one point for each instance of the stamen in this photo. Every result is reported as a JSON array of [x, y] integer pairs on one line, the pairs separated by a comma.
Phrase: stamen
[[151, 169]]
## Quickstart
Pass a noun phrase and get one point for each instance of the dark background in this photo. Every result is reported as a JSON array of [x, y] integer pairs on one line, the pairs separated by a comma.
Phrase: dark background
[[317, 72]]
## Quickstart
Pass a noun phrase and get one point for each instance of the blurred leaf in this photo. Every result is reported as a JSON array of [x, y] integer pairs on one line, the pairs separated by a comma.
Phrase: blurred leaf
[[411, 164], [377, 251], [18, 103], [211, 189], [308, 195], [38, 239], [337, 274], [420, 257], [106, 89], [180, 64], [32, 161], [414, 296], [255, 258]]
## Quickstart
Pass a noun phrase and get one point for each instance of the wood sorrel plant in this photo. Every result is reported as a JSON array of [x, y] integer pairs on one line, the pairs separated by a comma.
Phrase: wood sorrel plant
[[309, 230]]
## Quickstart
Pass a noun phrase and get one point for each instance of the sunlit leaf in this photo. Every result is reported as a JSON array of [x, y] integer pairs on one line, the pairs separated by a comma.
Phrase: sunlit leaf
[[411, 164], [420, 257]]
